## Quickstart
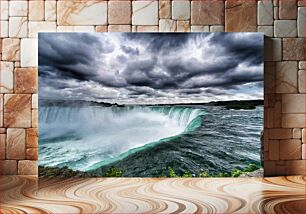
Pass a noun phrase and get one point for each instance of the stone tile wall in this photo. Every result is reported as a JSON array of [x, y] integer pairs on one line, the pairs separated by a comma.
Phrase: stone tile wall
[[282, 21]]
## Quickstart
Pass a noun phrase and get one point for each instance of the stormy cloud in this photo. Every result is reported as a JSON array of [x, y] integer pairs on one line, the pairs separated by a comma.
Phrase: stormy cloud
[[151, 67]]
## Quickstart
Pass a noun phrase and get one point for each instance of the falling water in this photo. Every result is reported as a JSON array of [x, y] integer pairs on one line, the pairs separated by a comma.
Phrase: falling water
[[80, 137]]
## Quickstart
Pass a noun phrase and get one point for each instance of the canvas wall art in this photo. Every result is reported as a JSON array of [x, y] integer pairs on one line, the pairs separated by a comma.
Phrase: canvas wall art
[[150, 104]]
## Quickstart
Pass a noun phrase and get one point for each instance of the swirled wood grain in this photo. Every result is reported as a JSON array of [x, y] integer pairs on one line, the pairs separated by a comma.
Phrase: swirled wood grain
[[20, 194]]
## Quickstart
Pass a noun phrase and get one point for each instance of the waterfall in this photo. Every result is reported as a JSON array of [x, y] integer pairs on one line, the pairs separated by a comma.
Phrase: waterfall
[[82, 136]]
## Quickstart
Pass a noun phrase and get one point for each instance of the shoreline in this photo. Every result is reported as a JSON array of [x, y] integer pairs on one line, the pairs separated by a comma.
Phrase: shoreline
[[252, 170]]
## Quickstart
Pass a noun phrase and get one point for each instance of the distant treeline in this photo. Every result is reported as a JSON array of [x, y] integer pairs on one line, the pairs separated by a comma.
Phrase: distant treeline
[[232, 104]]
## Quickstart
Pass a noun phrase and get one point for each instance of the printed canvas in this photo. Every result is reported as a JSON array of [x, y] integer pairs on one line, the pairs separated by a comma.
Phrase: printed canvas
[[150, 104]]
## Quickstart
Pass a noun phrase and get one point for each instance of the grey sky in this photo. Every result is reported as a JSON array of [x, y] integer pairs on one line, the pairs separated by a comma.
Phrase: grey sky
[[151, 67]]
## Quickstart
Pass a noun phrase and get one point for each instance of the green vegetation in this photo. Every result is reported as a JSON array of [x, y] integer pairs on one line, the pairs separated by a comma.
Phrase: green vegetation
[[204, 174], [113, 172], [187, 175], [168, 172], [62, 172]]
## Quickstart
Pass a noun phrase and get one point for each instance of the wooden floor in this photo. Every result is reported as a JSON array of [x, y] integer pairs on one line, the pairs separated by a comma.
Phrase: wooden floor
[[139, 195]]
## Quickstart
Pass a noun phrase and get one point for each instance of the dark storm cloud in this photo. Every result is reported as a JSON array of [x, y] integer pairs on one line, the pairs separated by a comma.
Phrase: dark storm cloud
[[130, 50], [72, 54], [242, 48], [160, 41], [125, 66]]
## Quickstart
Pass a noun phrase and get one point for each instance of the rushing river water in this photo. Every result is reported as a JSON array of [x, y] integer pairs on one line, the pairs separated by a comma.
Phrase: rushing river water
[[149, 138]]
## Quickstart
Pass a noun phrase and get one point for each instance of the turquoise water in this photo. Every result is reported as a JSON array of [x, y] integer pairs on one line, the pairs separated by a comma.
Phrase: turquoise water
[[188, 137], [86, 137]]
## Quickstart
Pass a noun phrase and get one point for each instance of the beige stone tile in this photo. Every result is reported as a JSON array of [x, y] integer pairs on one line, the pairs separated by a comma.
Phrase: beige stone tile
[[101, 28], [293, 49], [301, 80], [301, 3], [134, 28], [4, 10], [34, 101], [18, 27], [27, 167], [11, 49], [2, 146], [269, 118], [301, 22], [295, 167], [36, 26], [29, 53], [4, 29], [18, 8], [280, 134], [75, 29], [302, 65], [290, 149], [239, 16], [119, 12], [277, 118], [17, 64], [165, 9], [91, 12], [273, 49], [293, 120], [265, 12], [2, 130], [183, 26], [17, 110], [293, 103], [15, 144], [7, 77], [1, 111], [274, 150], [32, 138], [167, 25], [8, 167], [36, 10], [217, 28], [285, 28], [145, 13], [119, 28], [32, 154], [287, 9], [266, 30], [304, 135], [180, 10], [34, 118], [207, 12], [147, 28], [199, 28], [275, 13], [26, 80], [297, 133], [304, 151], [286, 77], [50, 10]]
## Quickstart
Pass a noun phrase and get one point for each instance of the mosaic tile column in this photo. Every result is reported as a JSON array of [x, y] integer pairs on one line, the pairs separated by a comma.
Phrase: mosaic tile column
[[282, 21]]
